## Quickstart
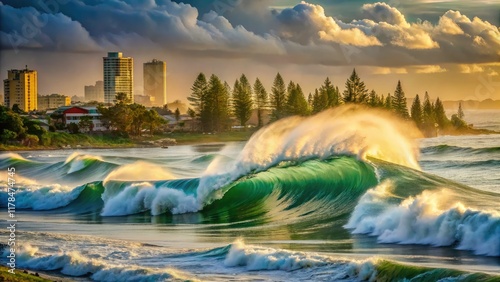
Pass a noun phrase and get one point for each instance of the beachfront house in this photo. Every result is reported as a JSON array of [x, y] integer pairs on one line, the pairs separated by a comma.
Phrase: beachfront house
[[75, 113]]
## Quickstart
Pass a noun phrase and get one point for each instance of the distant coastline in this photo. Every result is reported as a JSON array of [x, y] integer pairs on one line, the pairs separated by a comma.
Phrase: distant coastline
[[487, 104]]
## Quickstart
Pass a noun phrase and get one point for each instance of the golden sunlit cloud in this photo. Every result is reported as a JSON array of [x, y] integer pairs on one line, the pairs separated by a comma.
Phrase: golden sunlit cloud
[[429, 69], [471, 68], [380, 70]]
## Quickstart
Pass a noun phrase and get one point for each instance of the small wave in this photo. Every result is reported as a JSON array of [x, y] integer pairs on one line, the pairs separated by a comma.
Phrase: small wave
[[12, 156], [329, 268], [444, 148], [42, 197], [462, 164], [77, 161], [426, 220], [262, 258], [250, 261]]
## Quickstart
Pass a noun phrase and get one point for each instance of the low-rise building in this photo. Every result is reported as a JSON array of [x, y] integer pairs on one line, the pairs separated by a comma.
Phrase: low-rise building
[[74, 115], [52, 101], [185, 123]]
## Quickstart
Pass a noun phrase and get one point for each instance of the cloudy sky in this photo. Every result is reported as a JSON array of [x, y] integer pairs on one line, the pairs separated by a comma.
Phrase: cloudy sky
[[449, 48]]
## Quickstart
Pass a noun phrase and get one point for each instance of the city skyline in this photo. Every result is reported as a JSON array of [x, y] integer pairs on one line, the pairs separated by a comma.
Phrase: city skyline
[[450, 50]]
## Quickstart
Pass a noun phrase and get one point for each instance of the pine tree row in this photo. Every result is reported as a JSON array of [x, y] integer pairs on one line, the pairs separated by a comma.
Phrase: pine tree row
[[214, 103]]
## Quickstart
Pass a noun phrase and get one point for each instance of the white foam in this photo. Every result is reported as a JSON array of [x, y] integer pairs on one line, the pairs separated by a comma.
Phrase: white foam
[[139, 197], [262, 258], [141, 171], [42, 197], [431, 218], [75, 264]]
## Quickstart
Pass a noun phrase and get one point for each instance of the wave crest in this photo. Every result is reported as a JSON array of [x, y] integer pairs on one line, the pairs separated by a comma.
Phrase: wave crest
[[426, 219]]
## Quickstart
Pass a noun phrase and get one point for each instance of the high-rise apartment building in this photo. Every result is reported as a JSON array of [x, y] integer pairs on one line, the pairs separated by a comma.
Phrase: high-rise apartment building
[[95, 92], [118, 76], [52, 101], [21, 87], [155, 81]]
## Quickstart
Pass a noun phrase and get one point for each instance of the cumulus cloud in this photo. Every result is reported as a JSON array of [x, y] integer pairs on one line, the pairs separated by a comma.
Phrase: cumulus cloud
[[382, 12], [29, 28], [307, 23], [302, 34]]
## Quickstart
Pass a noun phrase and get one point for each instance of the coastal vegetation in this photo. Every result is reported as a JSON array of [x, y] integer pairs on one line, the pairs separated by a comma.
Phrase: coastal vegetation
[[213, 103], [20, 276], [215, 109]]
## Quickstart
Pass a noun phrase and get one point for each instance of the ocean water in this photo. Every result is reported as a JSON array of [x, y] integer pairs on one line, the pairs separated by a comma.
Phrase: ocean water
[[346, 195]]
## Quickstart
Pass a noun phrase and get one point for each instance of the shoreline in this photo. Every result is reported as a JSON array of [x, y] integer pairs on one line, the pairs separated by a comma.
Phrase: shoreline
[[152, 142]]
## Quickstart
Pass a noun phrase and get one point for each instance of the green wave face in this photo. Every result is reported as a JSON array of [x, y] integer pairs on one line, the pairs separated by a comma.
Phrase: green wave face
[[295, 192]]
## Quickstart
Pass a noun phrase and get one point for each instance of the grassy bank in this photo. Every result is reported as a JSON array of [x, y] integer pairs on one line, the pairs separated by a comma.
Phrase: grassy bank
[[20, 276], [58, 140], [61, 140]]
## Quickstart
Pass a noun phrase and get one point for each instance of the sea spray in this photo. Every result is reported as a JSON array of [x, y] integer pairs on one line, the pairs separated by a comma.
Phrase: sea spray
[[139, 171]]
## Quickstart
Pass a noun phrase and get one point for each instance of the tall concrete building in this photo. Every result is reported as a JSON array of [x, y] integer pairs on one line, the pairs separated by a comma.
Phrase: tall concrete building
[[118, 76], [95, 92], [52, 101], [155, 81], [21, 87]]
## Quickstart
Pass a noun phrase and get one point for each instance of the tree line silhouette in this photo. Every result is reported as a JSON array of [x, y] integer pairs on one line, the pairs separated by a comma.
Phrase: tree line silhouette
[[215, 103]]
